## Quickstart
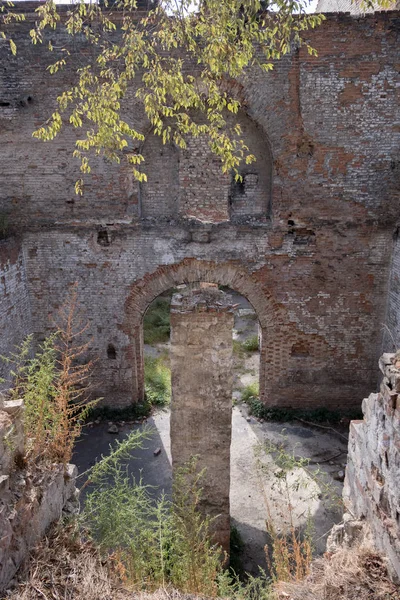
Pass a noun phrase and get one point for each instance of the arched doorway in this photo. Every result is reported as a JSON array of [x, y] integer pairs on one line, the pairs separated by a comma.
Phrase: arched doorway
[[232, 275]]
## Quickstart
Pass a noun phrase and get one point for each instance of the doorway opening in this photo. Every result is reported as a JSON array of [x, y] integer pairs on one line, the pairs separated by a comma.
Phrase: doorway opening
[[246, 509], [246, 339]]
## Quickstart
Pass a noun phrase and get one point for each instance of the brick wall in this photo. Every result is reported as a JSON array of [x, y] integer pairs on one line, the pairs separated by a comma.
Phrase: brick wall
[[15, 313], [307, 238]]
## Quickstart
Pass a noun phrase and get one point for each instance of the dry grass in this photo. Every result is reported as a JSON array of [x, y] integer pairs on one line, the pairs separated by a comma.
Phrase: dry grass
[[291, 555], [66, 567], [349, 574]]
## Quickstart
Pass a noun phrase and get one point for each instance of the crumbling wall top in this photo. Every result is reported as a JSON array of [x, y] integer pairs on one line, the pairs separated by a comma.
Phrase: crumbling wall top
[[204, 299]]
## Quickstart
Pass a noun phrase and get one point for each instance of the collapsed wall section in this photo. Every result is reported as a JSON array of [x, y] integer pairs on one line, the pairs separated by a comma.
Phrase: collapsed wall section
[[29, 502], [372, 482], [15, 311]]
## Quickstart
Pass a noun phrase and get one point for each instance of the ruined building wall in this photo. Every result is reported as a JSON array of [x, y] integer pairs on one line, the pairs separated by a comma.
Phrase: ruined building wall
[[15, 313], [307, 236], [28, 505], [372, 483]]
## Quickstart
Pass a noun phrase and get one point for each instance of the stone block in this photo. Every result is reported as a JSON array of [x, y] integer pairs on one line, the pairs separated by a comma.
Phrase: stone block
[[385, 360], [13, 407], [4, 485], [24, 523]]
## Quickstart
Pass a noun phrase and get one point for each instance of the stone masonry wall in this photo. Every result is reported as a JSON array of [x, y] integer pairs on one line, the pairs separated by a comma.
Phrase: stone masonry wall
[[15, 310], [306, 237], [28, 504], [372, 483], [201, 405], [392, 326]]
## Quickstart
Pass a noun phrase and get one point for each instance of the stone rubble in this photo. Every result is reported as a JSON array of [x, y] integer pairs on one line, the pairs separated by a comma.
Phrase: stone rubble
[[372, 483], [28, 504]]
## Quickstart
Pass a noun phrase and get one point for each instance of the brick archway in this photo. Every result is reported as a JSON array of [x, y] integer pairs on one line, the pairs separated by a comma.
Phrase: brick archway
[[233, 275]]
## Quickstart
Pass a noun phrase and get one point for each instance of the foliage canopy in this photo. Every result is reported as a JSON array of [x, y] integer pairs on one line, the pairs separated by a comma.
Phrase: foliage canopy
[[178, 60]]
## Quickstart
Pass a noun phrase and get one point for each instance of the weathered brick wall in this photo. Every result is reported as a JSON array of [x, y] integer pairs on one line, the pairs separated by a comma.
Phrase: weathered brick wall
[[201, 404], [15, 313], [356, 7], [189, 183], [329, 121], [372, 482], [116, 283], [307, 238]]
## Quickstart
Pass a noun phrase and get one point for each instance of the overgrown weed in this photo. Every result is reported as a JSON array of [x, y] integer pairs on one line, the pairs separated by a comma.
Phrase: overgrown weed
[[157, 381], [289, 553], [156, 321], [240, 349], [153, 542], [251, 344], [317, 415], [54, 384], [250, 392], [160, 543]]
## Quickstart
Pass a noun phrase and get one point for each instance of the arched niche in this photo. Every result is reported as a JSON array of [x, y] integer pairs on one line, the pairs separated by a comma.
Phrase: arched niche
[[189, 183], [251, 196]]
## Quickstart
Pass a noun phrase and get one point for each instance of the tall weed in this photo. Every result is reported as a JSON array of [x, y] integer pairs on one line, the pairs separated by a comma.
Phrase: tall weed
[[153, 542], [53, 382], [250, 392], [290, 553], [196, 562]]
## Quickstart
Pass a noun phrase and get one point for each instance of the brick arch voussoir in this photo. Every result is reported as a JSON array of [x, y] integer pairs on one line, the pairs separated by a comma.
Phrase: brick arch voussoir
[[232, 274]]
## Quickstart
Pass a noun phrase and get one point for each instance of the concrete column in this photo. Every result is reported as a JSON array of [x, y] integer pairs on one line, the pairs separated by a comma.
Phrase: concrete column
[[201, 407]]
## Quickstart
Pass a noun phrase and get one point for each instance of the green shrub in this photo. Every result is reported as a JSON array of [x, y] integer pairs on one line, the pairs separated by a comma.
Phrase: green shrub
[[316, 415], [251, 344], [156, 321], [153, 543], [157, 381], [53, 382], [250, 394], [238, 349]]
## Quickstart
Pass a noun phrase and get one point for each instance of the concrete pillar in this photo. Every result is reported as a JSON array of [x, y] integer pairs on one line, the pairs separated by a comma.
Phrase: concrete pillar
[[201, 407]]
